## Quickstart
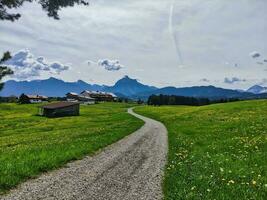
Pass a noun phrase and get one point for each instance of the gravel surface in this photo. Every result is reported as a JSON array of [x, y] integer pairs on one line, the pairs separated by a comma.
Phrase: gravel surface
[[129, 169]]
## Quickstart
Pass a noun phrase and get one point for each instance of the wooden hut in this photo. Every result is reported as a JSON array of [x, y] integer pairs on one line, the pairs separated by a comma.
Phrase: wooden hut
[[60, 109]]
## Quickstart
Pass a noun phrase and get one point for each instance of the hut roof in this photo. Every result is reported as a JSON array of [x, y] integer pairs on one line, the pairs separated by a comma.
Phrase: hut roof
[[59, 105]]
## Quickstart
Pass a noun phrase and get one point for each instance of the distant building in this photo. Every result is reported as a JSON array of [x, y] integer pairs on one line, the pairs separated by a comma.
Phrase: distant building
[[60, 109], [99, 96], [74, 97], [24, 98], [71, 96]]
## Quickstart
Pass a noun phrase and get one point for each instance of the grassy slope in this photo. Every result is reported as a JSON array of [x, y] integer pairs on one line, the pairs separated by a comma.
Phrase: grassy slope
[[215, 152], [31, 144]]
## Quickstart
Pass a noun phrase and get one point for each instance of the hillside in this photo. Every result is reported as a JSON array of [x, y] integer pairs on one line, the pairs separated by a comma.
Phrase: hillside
[[30, 144], [216, 151], [197, 91], [257, 89]]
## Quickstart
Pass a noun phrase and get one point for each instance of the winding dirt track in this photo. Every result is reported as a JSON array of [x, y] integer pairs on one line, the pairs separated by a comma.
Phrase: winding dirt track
[[129, 169]]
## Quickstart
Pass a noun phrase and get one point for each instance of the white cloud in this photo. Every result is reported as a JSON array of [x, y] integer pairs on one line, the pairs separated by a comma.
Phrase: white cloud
[[204, 80], [109, 65], [90, 62], [209, 33], [255, 54], [25, 65], [260, 63], [233, 80], [58, 67]]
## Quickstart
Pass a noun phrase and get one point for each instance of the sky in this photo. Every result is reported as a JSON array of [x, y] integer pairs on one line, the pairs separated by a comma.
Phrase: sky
[[161, 43]]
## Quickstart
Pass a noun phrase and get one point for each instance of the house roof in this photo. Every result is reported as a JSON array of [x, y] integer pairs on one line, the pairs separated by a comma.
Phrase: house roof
[[86, 97], [62, 104], [86, 92], [72, 93], [112, 94], [36, 96], [81, 97]]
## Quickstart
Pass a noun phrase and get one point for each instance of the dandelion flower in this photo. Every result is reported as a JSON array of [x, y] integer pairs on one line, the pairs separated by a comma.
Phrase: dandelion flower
[[254, 182], [232, 181]]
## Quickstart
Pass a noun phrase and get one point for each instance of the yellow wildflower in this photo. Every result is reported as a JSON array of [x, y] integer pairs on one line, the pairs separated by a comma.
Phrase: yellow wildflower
[[193, 187], [231, 181]]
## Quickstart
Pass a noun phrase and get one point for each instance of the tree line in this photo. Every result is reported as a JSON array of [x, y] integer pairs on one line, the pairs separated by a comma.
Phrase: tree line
[[159, 100]]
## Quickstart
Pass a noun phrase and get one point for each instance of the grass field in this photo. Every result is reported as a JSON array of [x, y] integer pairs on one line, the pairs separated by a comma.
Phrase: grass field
[[215, 152], [31, 144]]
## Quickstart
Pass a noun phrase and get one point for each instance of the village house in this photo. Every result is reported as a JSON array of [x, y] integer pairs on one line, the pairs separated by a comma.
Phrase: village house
[[60, 109], [99, 96], [71, 96], [24, 98], [74, 97]]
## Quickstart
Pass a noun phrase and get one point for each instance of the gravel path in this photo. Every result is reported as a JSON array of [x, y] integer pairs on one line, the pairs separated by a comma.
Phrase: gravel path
[[129, 169]]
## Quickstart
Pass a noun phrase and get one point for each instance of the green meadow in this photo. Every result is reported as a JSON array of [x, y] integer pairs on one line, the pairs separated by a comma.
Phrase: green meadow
[[216, 151], [30, 144]]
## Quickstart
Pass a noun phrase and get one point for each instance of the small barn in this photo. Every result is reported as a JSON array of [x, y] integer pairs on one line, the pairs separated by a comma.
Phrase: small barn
[[60, 109]]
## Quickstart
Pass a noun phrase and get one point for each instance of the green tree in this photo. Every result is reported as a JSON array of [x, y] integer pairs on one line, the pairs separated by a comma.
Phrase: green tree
[[50, 6], [140, 101], [24, 99], [4, 70]]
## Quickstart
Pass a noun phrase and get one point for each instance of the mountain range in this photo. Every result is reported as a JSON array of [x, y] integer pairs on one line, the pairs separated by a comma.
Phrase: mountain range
[[257, 89], [125, 87]]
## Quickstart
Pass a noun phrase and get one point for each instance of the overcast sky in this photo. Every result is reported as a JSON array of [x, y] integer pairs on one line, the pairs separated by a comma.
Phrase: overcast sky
[[161, 43]]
